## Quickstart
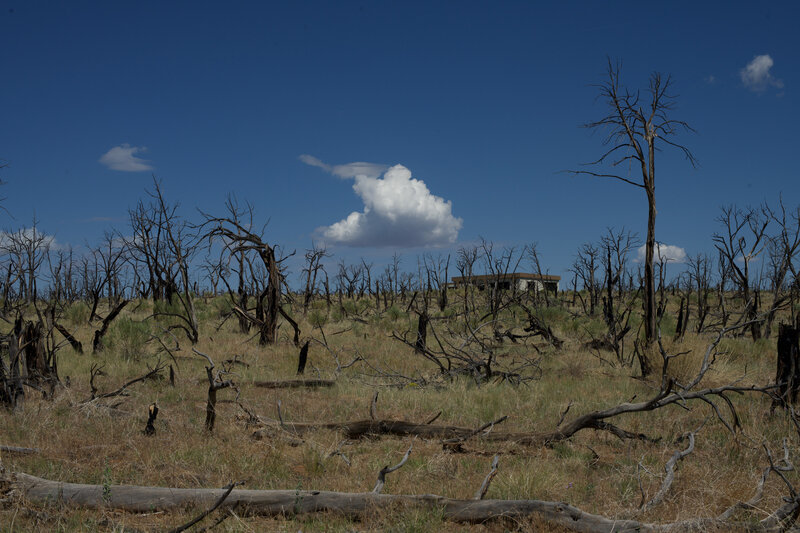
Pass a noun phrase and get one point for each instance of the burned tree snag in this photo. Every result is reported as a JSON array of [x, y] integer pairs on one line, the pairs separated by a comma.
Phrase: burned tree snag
[[683, 317], [788, 373], [422, 333], [97, 343], [215, 383], [301, 364], [295, 327], [152, 413], [75, 343]]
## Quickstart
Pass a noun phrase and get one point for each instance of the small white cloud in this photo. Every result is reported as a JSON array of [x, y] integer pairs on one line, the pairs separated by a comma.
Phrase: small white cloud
[[398, 209], [667, 253], [123, 158], [350, 170], [710, 79], [756, 76]]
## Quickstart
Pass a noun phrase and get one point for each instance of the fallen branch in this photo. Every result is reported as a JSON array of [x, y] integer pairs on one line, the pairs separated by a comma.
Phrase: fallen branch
[[487, 481], [389, 469], [669, 468], [228, 489], [121, 391]]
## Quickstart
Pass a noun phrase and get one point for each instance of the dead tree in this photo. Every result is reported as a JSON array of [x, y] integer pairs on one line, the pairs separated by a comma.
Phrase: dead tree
[[314, 258], [699, 272], [585, 269], [235, 239], [782, 249], [634, 132], [422, 332], [97, 342], [787, 375], [64, 287], [532, 253], [436, 270], [498, 268], [465, 263], [148, 250], [215, 383], [28, 248], [740, 243], [181, 244]]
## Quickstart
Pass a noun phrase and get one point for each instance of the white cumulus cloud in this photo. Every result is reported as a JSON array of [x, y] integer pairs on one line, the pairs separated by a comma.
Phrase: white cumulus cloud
[[756, 76], [398, 210], [27, 238], [663, 252], [123, 158]]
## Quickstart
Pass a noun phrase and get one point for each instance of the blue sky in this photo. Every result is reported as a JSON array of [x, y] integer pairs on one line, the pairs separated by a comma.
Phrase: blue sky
[[481, 102]]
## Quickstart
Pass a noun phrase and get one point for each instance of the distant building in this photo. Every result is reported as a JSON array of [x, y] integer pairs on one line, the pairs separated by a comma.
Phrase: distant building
[[522, 281]]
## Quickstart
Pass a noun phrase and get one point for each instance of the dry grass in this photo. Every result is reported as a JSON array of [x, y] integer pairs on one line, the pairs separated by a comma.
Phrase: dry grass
[[95, 444]]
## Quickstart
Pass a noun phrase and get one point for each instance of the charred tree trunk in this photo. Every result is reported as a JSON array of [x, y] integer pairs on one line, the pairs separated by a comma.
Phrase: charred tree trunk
[[302, 359], [97, 342], [788, 373], [422, 333]]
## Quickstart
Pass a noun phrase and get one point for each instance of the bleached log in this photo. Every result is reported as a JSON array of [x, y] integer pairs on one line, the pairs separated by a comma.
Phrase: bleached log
[[294, 502]]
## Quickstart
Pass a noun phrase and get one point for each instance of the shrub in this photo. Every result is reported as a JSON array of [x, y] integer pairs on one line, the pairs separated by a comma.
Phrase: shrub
[[317, 319], [394, 313], [350, 307], [128, 338], [223, 306], [171, 307], [77, 313]]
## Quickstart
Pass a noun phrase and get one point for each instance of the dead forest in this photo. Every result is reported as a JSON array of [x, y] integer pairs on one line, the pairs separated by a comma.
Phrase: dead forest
[[179, 375]]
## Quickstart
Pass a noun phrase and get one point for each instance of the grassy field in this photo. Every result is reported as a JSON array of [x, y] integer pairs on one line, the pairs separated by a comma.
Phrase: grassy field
[[102, 441]]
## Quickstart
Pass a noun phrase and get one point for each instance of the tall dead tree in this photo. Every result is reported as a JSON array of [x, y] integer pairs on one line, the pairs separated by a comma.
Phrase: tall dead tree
[[27, 249], [179, 244], [634, 130], [782, 249]]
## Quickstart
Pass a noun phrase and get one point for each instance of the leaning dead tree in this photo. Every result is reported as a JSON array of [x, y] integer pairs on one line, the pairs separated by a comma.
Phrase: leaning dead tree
[[236, 239], [634, 130]]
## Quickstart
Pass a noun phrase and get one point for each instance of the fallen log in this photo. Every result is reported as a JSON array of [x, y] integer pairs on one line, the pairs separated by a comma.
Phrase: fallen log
[[596, 420], [294, 502], [18, 450], [357, 429], [294, 384]]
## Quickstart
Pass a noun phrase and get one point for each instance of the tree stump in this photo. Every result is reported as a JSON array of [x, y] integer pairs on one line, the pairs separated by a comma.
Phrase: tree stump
[[788, 373]]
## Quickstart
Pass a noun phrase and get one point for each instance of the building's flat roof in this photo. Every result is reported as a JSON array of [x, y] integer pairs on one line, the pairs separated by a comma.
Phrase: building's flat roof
[[507, 277]]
